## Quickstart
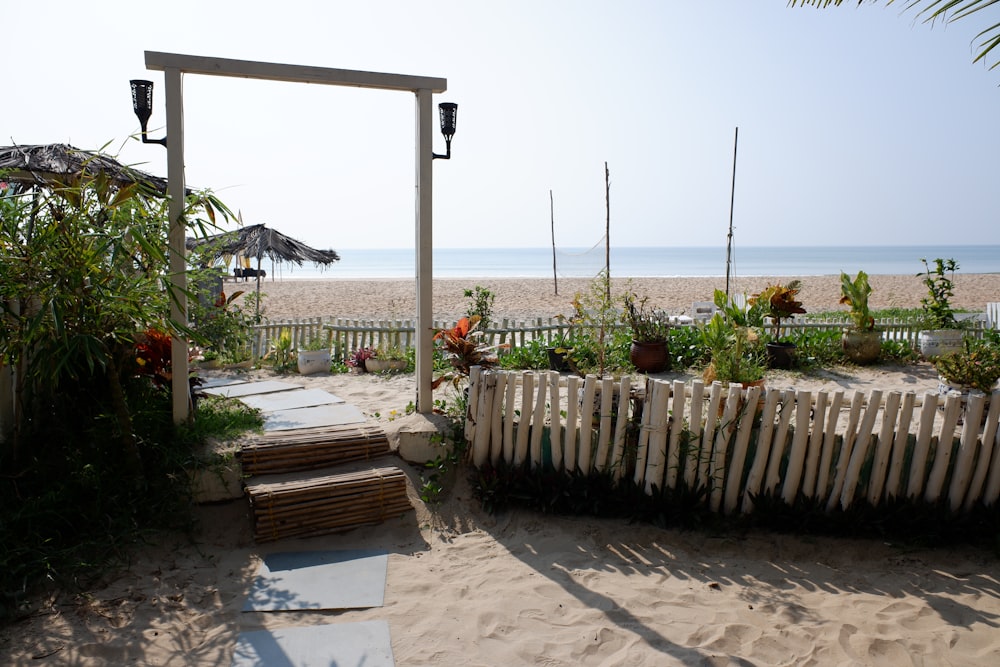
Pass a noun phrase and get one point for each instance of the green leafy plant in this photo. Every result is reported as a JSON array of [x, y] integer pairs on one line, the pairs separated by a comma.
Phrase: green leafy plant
[[779, 303], [940, 288], [282, 354], [316, 344], [594, 318], [854, 294], [735, 352], [218, 323], [481, 306], [647, 324], [93, 458], [977, 366], [463, 347]]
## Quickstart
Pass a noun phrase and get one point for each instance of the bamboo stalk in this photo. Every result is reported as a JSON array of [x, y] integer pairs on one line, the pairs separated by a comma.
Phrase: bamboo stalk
[[674, 441], [961, 476], [859, 454], [899, 447], [555, 428], [538, 420], [986, 452], [815, 446], [656, 439], [880, 465], [918, 464], [797, 453], [829, 443], [740, 448]]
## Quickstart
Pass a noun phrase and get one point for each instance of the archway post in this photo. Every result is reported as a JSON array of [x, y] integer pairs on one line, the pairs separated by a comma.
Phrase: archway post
[[175, 65]]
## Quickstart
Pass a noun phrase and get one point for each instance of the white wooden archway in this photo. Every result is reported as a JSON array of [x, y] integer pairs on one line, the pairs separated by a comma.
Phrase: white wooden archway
[[175, 65]]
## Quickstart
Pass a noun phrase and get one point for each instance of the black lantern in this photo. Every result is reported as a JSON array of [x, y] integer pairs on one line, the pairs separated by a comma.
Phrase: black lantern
[[449, 117], [142, 104]]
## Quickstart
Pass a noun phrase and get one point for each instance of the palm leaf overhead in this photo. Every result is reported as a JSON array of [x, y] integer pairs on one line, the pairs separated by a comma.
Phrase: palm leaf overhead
[[64, 165], [938, 10]]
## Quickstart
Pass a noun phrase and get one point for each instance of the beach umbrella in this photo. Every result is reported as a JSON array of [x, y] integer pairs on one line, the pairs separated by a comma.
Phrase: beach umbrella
[[55, 165], [260, 241]]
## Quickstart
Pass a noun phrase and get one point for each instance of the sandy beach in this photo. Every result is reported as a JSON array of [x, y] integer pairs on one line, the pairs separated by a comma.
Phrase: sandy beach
[[519, 588], [535, 297]]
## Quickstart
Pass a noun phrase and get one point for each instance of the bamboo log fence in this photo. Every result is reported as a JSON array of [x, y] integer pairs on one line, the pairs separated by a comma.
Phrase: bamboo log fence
[[310, 449], [739, 443], [326, 504]]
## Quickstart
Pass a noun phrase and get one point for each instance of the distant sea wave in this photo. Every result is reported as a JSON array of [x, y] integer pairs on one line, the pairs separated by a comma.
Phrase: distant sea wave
[[645, 262]]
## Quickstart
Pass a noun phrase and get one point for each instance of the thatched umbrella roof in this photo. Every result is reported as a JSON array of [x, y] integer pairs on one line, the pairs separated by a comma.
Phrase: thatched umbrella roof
[[260, 241], [60, 164]]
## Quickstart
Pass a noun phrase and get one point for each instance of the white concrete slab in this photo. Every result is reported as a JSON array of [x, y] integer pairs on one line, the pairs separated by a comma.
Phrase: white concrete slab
[[250, 388], [365, 643], [290, 400], [342, 579], [320, 415], [220, 381]]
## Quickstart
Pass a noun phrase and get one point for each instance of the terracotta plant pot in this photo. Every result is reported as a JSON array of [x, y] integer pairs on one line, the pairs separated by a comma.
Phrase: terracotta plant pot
[[650, 357]]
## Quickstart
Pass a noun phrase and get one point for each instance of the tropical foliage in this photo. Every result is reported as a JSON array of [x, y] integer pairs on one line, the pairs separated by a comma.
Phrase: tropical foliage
[[854, 294], [647, 324], [977, 366], [940, 288], [932, 11], [778, 302], [86, 331]]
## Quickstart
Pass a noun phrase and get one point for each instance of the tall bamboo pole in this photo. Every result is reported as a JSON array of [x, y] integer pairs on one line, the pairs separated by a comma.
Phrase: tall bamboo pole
[[607, 231], [552, 220], [732, 200]]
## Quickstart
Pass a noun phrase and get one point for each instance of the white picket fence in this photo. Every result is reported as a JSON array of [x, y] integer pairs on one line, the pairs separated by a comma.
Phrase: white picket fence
[[829, 447], [346, 335]]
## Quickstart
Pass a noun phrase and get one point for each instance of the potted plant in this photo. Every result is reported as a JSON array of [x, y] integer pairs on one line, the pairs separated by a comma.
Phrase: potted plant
[[462, 346], [314, 356], [387, 357], [356, 362], [735, 353], [943, 334], [650, 328], [975, 366], [861, 343], [779, 303]]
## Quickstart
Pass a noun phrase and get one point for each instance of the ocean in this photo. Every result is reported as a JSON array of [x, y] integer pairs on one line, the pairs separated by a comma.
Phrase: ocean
[[645, 262]]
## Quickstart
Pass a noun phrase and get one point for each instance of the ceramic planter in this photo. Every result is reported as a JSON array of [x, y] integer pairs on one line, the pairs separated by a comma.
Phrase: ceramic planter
[[314, 361], [937, 342], [376, 365], [861, 347]]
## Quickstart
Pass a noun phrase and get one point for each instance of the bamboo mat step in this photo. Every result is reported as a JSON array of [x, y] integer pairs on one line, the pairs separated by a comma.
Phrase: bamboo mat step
[[311, 449], [327, 504]]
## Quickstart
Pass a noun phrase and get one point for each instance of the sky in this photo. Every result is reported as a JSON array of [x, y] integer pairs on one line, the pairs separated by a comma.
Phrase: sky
[[857, 125]]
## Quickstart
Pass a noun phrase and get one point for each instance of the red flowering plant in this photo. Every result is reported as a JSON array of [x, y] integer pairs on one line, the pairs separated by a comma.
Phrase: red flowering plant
[[358, 357], [152, 356], [463, 347]]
